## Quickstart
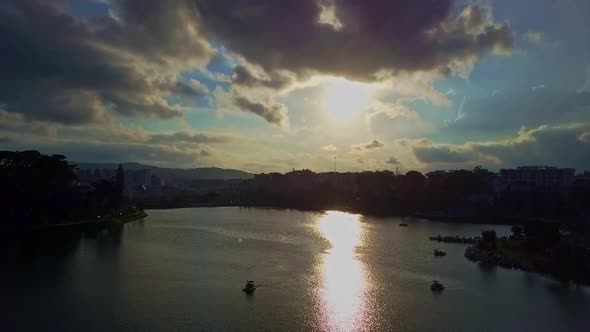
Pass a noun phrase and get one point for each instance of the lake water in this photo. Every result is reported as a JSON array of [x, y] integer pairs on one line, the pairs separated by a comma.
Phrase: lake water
[[183, 270]]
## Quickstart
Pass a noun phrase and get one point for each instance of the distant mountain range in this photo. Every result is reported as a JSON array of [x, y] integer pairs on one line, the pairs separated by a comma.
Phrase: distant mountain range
[[200, 173]]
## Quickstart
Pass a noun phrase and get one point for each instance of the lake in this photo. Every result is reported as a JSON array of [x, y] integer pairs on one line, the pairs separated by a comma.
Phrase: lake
[[184, 269]]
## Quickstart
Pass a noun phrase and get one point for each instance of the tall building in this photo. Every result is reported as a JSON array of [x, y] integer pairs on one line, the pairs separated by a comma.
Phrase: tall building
[[543, 177]]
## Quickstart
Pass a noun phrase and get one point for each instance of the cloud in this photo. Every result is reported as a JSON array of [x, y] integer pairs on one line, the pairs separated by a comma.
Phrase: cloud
[[14, 126], [561, 145], [188, 137], [533, 37], [329, 147], [116, 144], [289, 35], [61, 68], [506, 112], [460, 112], [373, 145], [271, 112], [58, 67], [96, 151], [245, 77], [584, 137], [392, 161], [586, 86], [393, 110], [396, 120], [263, 106], [443, 154], [538, 87]]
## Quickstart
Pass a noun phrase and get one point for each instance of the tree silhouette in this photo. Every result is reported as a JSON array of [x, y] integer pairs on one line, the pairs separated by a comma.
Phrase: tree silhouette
[[120, 179]]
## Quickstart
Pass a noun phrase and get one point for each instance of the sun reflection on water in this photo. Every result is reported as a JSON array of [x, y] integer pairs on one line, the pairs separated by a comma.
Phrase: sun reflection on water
[[343, 293]]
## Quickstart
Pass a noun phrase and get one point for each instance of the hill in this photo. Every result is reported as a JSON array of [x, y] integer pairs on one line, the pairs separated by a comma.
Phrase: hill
[[199, 173]]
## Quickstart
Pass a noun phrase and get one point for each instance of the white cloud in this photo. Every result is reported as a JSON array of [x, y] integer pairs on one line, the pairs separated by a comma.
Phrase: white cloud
[[533, 37], [329, 147], [460, 112]]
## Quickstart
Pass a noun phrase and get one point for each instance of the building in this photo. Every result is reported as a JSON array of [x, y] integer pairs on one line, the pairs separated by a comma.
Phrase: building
[[525, 178]]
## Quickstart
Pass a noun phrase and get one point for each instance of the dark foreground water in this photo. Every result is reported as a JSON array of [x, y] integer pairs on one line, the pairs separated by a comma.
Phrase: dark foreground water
[[183, 270]]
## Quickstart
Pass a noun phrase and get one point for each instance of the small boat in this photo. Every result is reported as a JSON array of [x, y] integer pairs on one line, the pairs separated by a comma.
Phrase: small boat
[[249, 288], [437, 286], [438, 252], [403, 224]]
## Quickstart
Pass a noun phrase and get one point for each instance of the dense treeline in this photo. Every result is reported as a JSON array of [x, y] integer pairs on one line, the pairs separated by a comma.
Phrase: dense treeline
[[454, 194], [540, 247], [373, 192], [39, 189]]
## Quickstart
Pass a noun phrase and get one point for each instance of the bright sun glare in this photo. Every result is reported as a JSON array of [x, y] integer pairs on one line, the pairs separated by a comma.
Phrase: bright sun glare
[[343, 99], [344, 280]]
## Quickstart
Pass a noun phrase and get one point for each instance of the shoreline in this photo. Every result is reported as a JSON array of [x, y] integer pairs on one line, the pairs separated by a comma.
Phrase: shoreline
[[89, 224], [525, 261], [483, 220]]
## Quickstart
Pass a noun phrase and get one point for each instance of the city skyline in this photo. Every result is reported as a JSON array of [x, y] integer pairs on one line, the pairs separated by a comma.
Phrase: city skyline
[[367, 85]]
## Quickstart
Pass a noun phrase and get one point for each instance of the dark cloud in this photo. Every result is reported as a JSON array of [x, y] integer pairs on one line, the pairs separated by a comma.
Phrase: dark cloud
[[373, 35], [546, 145], [62, 68], [4, 140], [271, 112], [392, 161], [205, 153], [15, 124], [242, 76], [186, 137], [375, 144]]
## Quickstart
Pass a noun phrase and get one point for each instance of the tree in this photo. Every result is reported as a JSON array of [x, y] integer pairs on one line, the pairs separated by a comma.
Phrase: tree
[[488, 239], [36, 187], [517, 231], [120, 180]]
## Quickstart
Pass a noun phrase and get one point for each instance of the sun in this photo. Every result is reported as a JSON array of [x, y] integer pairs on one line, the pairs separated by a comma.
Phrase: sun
[[343, 99]]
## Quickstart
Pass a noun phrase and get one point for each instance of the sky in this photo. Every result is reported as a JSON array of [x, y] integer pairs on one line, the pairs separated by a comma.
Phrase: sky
[[265, 85]]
